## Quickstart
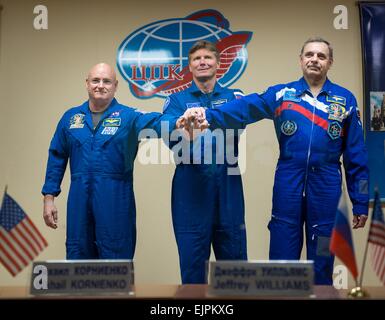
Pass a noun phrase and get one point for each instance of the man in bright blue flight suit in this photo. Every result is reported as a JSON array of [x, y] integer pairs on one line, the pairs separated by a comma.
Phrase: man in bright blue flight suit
[[207, 194], [316, 121], [100, 138]]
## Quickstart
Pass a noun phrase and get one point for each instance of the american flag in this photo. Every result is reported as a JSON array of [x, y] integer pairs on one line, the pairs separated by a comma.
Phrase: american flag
[[20, 240], [376, 239]]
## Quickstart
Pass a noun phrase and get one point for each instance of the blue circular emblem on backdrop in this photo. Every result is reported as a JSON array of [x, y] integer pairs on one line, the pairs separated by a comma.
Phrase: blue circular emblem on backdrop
[[288, 127], [154, 58]]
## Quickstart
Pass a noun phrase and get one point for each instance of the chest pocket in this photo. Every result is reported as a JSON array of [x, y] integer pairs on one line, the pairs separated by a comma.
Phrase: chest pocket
[[77, 137]]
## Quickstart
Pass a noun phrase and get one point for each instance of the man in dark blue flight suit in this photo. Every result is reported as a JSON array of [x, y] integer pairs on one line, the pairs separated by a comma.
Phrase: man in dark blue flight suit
[[207, 194], [316, 121], [100, 138]]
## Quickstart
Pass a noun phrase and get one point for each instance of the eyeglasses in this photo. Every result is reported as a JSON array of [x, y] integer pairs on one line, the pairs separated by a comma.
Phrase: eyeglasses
[[96, 81]]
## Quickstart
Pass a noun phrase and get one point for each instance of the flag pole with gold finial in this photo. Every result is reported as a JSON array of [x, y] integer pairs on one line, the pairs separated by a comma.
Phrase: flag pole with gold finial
[[358, 291]]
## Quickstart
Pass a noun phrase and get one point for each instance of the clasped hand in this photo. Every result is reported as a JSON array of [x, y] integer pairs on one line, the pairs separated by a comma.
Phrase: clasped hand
[[193, 118], [193, 121]]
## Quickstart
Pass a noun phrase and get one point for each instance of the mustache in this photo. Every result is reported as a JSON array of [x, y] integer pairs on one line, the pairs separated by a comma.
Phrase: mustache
[[314, 66]]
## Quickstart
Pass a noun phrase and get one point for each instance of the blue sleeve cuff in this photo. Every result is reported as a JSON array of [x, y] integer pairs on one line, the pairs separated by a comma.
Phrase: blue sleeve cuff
[[360, 209]]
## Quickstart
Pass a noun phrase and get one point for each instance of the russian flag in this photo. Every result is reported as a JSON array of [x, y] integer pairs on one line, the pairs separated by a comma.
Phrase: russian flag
[[341, 244]]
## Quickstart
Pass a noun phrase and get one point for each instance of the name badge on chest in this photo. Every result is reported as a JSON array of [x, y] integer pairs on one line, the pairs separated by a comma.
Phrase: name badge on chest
[[109, 130], [291, 96]]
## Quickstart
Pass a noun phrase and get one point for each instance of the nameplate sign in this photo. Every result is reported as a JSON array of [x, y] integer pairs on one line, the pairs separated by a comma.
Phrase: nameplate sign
[[82, 277], [261, 278]]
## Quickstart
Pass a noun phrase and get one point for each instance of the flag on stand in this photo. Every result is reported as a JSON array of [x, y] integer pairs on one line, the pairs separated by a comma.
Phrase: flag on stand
[[341, 243], [20, 240], [376, 238]]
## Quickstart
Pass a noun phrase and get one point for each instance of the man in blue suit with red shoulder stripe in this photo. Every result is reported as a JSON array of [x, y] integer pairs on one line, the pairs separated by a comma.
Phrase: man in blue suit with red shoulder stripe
[[316, 121]]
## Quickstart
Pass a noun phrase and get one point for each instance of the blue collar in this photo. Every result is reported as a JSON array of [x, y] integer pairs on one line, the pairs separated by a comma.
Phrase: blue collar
[[195, 90], [114, 106], [303, 86]]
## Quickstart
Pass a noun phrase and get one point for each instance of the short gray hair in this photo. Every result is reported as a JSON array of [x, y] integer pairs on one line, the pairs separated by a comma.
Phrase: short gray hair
[[318, 39]]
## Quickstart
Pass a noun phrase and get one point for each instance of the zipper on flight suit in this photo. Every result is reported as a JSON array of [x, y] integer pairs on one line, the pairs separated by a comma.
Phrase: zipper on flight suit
[[93, 137], [94, 131], [308, 151]]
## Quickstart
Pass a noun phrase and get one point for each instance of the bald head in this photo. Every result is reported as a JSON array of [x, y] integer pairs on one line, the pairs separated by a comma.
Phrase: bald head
[[101, 85], [102, 68]]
